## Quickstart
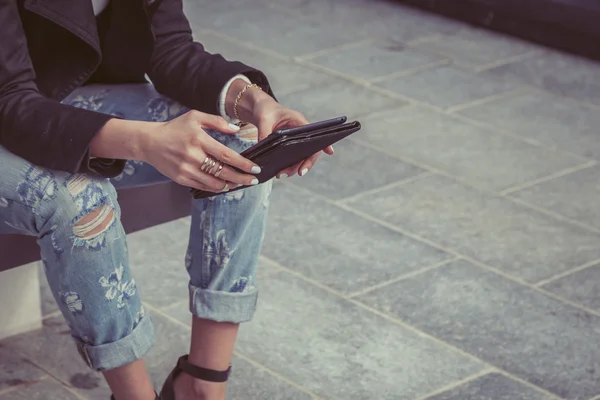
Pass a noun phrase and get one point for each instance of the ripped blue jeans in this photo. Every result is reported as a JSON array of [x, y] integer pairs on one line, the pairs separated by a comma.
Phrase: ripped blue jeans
[[76, 219]]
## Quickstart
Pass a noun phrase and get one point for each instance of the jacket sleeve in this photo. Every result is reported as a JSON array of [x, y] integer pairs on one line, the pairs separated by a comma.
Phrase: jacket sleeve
[[34, 127], [182, 70]]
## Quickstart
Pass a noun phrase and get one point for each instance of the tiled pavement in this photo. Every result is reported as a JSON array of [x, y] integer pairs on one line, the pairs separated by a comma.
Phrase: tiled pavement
[[449, 251]]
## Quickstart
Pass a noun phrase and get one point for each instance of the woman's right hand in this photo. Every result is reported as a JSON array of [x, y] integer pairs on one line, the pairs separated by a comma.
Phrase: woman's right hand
[[178, 148]]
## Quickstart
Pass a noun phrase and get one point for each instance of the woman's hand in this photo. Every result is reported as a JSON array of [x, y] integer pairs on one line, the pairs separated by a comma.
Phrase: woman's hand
[[270, 116], [262, 110], [179, 147]]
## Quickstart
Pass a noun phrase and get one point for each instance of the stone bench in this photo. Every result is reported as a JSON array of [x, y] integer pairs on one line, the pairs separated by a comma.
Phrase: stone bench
[[142, 208]]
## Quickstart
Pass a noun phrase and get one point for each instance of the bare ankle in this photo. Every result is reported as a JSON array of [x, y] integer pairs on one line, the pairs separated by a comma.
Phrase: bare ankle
[[130, 381]]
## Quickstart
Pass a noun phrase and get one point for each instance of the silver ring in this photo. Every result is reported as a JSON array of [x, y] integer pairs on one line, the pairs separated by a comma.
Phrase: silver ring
[[219, 170]]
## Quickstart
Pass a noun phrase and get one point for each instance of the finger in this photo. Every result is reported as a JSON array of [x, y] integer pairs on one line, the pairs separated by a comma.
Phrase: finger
[[329, 150], [220, 170], [215, 122], [288, 118], [289, 172], [189, 172], [233, 176], [196, 184], [308, 164], [229, 157]]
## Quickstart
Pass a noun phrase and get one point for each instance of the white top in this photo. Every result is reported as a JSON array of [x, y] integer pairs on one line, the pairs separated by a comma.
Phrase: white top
[[99, 5]]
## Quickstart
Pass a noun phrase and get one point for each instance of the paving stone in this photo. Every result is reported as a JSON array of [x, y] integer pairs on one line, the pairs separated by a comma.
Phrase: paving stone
[[45, 390], [496, 231], [343, 344], [565, 74], [548, 119], [375, 18], [337, 248], [65, 364], [537, 338], [246, 381], [330, 101], [474, 47], [492, 387], [272, 28], [284, 76], [373, 60], [447, 86], [580, 287], [574, 195], [250, 382], [266, 267], [353, 169], [487, 159], [15, 370]]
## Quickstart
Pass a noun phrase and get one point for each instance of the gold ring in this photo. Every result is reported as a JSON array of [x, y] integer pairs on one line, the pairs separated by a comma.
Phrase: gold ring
[[207, 164], [213, 162], [219, 170], [206, 161], [213, 168]]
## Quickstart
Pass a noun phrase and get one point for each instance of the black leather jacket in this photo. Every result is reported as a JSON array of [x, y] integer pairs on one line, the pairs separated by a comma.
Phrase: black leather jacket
[[50, 47]]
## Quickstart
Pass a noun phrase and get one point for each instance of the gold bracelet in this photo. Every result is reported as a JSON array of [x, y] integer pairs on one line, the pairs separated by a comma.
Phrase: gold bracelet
[[238, 98]]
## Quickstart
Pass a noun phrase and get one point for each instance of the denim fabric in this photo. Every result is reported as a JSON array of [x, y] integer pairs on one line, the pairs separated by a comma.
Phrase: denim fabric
[[89, 274]]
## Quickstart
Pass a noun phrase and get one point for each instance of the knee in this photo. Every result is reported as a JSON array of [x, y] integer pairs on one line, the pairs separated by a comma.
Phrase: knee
[[94, 223], [85, 207]]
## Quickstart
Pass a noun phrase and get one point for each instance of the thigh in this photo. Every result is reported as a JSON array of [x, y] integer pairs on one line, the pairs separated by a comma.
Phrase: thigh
[[23, 189]]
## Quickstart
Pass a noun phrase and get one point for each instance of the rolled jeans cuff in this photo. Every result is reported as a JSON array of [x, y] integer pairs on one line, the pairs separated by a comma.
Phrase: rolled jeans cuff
[[223, 306], [122, 352]]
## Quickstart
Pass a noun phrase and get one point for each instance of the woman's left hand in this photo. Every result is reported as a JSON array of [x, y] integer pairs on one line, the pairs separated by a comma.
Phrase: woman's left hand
[[261, 110], [270, 116]]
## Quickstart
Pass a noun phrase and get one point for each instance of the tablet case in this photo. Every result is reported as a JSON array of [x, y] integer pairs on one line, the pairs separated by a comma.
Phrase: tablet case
[[280, 151]]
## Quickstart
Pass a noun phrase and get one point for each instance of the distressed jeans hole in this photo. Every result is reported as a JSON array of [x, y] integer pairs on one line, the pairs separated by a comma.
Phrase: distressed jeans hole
[[95, 223], [77, 183]]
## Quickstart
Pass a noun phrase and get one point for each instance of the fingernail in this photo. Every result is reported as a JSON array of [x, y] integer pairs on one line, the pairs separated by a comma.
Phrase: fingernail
[[256, 169], [332, 151], [254, 181], [240, 184], [282, 176], [234, 127], [303, 172]]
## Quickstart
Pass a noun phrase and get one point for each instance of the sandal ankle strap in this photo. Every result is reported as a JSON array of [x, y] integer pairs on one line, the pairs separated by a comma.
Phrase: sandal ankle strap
[[205, 374], [112, 396]]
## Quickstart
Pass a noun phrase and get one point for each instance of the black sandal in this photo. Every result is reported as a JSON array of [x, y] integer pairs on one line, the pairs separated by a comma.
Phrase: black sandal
[[204, 374]]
